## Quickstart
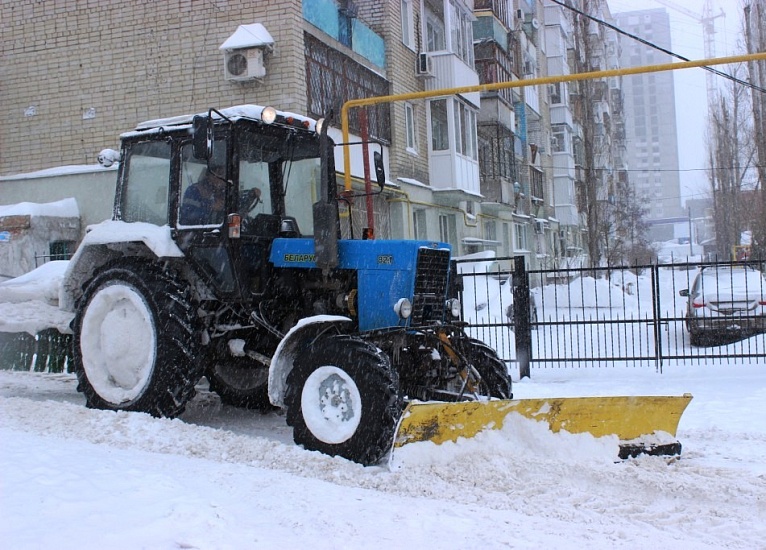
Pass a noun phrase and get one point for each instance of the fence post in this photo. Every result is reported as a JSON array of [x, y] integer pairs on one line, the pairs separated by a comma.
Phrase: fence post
[[656, 312], [521, 322]]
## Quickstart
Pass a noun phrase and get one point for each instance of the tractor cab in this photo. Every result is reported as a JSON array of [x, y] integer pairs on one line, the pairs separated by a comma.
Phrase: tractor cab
[[227, 184]]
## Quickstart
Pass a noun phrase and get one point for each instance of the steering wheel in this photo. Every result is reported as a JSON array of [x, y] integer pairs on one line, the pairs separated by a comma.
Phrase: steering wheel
[[249, 199]]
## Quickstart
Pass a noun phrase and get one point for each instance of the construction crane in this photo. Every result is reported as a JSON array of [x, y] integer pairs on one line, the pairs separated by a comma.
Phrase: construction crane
[[707, 18]]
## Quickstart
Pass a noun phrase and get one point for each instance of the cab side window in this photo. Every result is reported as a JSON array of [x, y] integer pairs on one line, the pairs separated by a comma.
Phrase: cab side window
[[145, 190]]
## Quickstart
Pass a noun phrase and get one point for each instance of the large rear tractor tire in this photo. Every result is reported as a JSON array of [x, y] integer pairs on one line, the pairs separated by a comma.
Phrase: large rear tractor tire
[[495, 380], [240, 382], [135, 344], [343, 399]]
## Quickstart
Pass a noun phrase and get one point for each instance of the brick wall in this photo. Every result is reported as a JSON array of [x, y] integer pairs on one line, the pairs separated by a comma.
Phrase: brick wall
[[76, 74]]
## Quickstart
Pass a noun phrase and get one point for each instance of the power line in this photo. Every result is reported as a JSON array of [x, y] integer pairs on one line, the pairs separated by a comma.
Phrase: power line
[[655, 46]]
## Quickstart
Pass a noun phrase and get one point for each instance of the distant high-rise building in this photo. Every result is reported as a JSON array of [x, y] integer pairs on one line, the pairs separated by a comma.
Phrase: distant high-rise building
[[650, 117]]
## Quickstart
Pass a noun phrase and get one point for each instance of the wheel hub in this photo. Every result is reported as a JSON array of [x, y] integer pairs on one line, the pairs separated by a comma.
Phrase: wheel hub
[[331, 405]]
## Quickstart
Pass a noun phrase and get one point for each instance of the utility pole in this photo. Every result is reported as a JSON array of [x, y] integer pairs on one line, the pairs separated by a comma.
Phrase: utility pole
[[691, 240]]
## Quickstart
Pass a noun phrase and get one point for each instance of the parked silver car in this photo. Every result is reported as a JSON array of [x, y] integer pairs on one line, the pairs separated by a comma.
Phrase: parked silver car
[[725, 300]]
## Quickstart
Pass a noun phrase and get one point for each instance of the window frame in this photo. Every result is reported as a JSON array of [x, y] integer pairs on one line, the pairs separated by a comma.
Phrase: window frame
[[408, 26], [410, 128]]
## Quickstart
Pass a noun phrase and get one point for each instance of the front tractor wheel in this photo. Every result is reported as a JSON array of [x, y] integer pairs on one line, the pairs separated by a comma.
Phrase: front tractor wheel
[[343, 400], [134, 342], [495, 380]]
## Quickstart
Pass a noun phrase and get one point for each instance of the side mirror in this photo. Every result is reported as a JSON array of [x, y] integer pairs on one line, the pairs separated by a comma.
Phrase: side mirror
[[201, 138], [684, 292], [380, 172]]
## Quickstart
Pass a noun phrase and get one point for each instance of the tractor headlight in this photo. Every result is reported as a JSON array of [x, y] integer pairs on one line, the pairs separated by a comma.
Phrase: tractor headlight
[[269, 115], [453, 306], [403, 308]]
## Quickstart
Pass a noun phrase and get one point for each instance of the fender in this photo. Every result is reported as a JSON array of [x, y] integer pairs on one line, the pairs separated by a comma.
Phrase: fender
[[106, 241], [282, 361]]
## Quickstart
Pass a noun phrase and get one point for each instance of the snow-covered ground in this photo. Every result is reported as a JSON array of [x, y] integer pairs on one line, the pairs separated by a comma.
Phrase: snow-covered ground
[[220, 477]]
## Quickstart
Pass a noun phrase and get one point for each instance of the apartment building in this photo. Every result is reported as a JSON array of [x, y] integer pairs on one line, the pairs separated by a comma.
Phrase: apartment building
[[467, 169], [590, 169], [651, 118]]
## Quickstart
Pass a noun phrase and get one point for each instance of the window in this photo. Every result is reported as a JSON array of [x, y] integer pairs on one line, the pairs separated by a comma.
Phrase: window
[[61, 250], [202, 194], [559, 140], [409, 122], [147, 173], [448, 229], [419, 224], [435, 39], [461, 33], [333, 78], [554, 92], [490, 230], [465, 130], [408, 30], [439, 130], [521, 236]]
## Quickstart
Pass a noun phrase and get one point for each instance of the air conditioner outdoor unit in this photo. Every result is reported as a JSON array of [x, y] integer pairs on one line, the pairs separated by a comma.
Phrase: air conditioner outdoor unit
[[425, 65], [244, 64]]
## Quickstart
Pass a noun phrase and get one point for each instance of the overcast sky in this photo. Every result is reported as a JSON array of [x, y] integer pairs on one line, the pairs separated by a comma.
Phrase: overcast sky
[[691, 98]]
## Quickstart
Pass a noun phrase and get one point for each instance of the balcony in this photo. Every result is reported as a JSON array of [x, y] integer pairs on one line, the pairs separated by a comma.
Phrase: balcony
[[561, 114], [327, 16], [497, 162], [499, 9], [493, 64], [452, 72], [490, 29]]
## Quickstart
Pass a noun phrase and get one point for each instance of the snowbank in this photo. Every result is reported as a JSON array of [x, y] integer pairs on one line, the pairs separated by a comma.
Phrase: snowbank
[[66, 208]]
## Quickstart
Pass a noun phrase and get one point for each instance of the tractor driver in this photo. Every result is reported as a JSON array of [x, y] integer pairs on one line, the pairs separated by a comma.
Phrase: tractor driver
[[204, 201]]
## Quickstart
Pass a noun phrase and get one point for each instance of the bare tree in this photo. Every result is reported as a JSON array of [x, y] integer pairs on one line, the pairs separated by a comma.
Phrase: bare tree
[[730, 159], [755, 39], [590, 196]]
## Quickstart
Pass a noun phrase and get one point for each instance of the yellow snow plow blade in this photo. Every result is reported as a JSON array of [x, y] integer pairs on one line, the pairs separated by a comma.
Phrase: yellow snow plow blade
[[629, 418]]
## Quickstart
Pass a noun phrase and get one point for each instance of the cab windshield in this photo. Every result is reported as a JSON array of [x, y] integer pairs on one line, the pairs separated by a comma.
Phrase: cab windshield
[[285, 167]]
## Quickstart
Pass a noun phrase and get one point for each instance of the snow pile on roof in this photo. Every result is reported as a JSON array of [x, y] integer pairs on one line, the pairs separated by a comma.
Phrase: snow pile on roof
[[59, 171], [65, 208]]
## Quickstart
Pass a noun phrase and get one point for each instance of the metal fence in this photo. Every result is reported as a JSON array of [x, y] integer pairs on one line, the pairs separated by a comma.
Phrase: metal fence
[[47, 351], [631, 315]]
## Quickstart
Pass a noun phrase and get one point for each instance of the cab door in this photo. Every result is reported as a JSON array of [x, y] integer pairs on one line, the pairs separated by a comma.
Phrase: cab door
[[206, 244]]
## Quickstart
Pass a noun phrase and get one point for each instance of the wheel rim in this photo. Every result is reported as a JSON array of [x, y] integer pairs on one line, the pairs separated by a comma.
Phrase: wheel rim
[[331, 405], [118, 343]]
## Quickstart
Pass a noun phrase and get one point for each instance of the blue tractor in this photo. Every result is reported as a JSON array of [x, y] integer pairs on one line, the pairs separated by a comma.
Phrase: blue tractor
[[226, 258]]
